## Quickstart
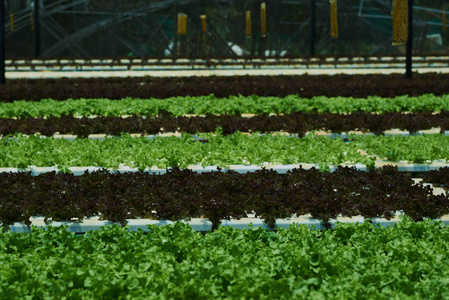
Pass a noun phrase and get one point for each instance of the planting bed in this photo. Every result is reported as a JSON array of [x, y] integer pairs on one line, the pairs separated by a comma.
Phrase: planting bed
[[294, 123], [218, 150], [212, 105], [358, 86], [360, 261], [181, 194]]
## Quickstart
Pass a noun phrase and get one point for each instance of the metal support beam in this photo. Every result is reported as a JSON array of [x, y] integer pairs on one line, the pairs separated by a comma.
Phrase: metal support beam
[[37, 30], [175, 30], [360, 8], [2, 42], [408, 58]]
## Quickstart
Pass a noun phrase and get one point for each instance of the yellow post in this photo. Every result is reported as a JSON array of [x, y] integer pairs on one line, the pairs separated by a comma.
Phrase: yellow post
[[11, 20], [32, 22], [444, 21], [263, 19], [248, 23], [182, 24], [203, 23], [334, 19], [400, 22]]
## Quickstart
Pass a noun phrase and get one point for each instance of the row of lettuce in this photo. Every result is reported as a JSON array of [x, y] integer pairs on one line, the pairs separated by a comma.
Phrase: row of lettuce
[[211, 104], [407, 261], [359, 86], [294, 123], [183, 194], [218, 150]]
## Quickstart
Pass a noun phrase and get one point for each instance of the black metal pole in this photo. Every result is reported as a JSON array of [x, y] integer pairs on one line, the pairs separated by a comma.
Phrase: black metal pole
[[259, 22], [37, 30], [408, 58], [2, 42], [312, 26], [175, 31]]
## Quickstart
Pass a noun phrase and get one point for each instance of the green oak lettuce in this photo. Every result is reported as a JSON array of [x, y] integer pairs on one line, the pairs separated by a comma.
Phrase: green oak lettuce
[[212, 105], [407, 261], [217, 150], [234, 149]]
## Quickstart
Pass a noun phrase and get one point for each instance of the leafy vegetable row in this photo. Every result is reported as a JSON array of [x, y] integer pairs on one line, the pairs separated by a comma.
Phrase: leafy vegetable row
[[213, 105], [141, 152], [219, 150], [297, 123], [358, 86], [182, 194], [407, 261], [438, 177]]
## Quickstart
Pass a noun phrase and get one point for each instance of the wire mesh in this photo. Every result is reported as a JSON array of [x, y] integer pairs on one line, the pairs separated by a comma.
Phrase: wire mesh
[[149, 28]]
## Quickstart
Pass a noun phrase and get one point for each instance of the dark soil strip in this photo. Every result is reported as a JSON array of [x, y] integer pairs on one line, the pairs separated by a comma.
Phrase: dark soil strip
[[295, 123], [359, 86], [181, 194]]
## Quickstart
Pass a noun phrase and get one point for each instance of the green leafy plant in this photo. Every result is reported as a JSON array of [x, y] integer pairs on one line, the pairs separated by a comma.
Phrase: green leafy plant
[[417, 149], [234, 149], [359, 261], [213, 105]]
